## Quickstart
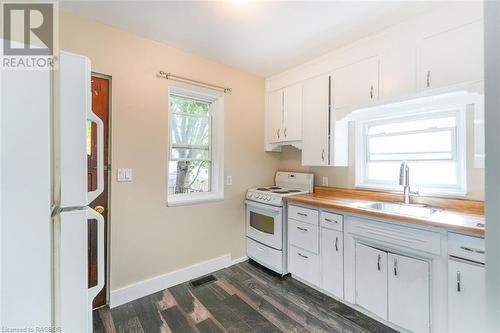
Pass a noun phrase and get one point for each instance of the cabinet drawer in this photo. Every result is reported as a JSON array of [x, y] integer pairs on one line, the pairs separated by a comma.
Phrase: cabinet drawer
[[303, 214], [331, 221], [466, 247], [303, 235], [304, 264]]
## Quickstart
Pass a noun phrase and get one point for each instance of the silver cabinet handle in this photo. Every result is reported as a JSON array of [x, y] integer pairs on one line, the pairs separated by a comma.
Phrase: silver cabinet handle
[[278, 132], [378, 262], [395, 267], [303, 229], [284, 132], [303, 256], [459, 286], [301, 214], [428, 79], [330, 220], [471, 249], [371, 91], [337, 244], [323, 154]]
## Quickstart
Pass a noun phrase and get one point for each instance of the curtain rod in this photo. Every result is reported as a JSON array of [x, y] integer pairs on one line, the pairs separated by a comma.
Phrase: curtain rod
[[170, 76]]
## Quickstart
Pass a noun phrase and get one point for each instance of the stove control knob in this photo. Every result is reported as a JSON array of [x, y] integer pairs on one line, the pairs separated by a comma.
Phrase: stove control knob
[[268, 198], [259, 196], [249, 195]]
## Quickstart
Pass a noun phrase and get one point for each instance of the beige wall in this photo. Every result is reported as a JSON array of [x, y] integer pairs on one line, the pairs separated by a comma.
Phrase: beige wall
[[345, 177], [147, 238]]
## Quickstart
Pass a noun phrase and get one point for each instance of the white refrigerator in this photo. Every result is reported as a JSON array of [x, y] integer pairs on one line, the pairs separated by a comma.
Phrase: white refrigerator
[[44, 197]]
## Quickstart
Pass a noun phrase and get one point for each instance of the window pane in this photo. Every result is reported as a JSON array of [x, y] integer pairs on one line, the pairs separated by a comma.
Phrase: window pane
[[189, 106], [188, 177], [412, 143], [189, 154], [190, 130], [414, 125], [421, 173]]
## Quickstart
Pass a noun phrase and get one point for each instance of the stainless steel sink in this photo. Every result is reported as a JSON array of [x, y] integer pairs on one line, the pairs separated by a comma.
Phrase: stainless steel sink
[[401, 209]]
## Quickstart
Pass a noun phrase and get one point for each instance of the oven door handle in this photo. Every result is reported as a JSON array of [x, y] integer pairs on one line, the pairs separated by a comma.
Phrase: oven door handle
[[275, 209]]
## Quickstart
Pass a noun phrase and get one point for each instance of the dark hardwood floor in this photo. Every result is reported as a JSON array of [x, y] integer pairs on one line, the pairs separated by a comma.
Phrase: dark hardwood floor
[[244, 298]]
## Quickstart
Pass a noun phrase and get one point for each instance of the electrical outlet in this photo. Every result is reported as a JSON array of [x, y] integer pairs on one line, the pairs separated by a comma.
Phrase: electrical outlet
[[229, 180], [325, 181], [124, 175]]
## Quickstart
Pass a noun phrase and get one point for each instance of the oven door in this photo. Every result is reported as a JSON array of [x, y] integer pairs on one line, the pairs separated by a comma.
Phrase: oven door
[[265, 224]]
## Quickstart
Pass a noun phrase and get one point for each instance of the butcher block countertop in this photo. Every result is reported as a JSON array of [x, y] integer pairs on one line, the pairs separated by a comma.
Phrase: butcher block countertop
[[463, 216]]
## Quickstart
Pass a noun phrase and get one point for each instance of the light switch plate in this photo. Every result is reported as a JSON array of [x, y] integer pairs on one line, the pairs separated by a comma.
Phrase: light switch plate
[[124, 175], [325, 181], [229, 180]]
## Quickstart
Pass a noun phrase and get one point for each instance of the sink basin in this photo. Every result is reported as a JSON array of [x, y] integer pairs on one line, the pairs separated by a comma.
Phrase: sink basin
[[401, 209]]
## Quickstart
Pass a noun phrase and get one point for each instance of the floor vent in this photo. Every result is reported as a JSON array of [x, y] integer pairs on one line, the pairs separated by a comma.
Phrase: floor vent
[[202, 281]]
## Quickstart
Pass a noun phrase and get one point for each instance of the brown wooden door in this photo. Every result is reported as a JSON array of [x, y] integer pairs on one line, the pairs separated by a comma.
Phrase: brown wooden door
[[100, 106]]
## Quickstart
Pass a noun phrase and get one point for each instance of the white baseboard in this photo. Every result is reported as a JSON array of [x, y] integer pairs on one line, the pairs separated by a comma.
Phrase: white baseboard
[[158, 283]]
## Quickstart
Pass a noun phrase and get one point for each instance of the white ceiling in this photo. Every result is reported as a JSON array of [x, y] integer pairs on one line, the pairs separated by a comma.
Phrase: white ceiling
[[261, 37]]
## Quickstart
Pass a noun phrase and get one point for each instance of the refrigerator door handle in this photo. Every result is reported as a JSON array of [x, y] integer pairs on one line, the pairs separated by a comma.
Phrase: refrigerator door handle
[[92, 214], [91, 196]]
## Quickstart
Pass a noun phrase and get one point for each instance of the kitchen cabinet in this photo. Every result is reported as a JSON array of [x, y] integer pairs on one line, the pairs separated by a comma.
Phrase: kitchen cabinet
[[315, 122], [284, 115], [408, 293], [397, 72], [371, 279], [332, 262], [274, 116], [356, 84], [304, 264], [452, 57], [466, 297]]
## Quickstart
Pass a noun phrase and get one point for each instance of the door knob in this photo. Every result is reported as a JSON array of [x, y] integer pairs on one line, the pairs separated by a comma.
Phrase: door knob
[[99, 209]]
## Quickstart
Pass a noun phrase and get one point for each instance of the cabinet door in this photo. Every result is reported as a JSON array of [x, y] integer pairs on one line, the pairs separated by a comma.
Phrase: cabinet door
[[466, 297], [356, 84], [398, 76], [408, 293], [452, 57], [332, 262], [315, 110], [292, 113], [304, 264], [274, 116], [371, 279]]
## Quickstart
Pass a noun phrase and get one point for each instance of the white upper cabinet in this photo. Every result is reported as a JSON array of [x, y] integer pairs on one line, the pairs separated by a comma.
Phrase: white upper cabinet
[[371, 279], [356, 84], [274, 116], [467, 310], [284, 114], [292, 113], [315, 120], [452, 57], [408, 297], [397, 72]]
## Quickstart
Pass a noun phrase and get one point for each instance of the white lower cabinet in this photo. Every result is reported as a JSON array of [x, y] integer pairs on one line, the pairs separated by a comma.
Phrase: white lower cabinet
[[332, 262], [304, 264], [408, 293], [371, 279], [466, 297], [394, 287]]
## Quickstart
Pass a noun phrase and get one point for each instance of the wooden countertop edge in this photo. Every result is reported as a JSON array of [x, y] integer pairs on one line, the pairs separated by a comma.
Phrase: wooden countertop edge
[[333, 203]]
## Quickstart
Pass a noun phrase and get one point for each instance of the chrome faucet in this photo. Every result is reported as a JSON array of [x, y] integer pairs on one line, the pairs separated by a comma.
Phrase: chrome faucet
[[404, 180]]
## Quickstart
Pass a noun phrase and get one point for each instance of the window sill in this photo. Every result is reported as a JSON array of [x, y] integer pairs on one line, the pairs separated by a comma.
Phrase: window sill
[[193, 199]]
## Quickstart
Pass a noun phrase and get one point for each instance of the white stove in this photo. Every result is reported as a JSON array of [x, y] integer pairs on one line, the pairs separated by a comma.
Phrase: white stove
[[287, 183], [265, 221]]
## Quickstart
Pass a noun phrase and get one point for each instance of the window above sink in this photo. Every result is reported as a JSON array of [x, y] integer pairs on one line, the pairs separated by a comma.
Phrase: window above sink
[[433, 144]]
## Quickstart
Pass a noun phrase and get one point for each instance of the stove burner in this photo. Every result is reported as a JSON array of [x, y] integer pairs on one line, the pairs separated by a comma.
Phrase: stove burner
[[281, 192], [294, 191], [274, 188], [262, 189]]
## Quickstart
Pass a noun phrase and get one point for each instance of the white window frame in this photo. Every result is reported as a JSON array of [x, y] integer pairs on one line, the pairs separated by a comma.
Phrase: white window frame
[[459, 151], [216, 144]]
